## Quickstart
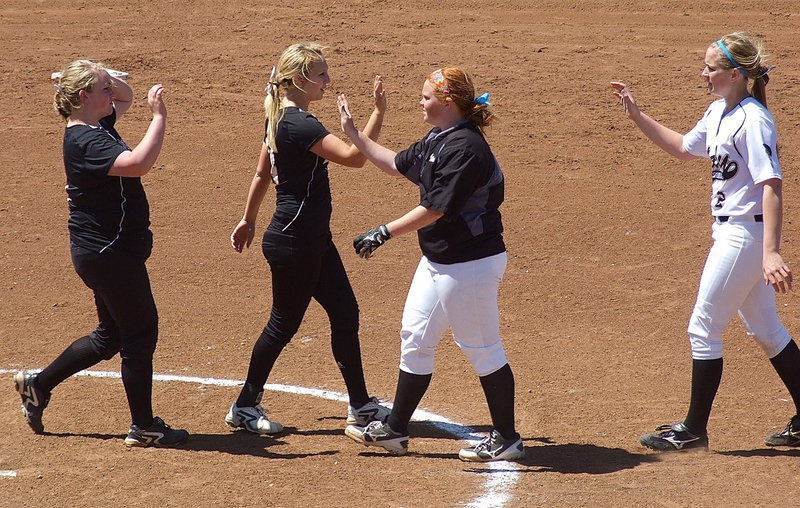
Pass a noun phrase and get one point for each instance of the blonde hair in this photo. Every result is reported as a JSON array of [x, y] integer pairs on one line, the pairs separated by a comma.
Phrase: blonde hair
[[78, 75], [459, 88], [295, 61], [748, 53]]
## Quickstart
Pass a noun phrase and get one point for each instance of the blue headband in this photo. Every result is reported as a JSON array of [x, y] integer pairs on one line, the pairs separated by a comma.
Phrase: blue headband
[[730, 57]]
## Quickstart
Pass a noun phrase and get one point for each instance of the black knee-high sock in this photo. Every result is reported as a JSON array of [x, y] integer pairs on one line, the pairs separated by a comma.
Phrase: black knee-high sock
[[498, 387], [787, 365], [706, 376], [261, 362], [137, 377], [347, 353], [78, 356], [410, 389]]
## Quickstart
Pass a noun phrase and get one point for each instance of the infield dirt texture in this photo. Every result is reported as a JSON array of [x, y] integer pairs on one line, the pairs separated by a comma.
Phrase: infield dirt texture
[[606, 237]]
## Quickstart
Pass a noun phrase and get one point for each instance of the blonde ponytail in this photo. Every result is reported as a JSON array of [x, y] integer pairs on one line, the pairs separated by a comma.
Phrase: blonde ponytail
[[78, 75], [295, 62], [745, 52]]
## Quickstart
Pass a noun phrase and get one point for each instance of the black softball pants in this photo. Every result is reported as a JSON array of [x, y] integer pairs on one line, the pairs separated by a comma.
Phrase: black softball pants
[[303, 269], [128, 325]]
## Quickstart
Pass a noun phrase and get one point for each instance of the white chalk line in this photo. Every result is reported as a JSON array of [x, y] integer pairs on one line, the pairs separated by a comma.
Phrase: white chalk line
[[496, 487]]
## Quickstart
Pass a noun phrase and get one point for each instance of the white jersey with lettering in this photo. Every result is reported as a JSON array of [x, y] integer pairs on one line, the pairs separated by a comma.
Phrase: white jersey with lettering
[[742, 146]]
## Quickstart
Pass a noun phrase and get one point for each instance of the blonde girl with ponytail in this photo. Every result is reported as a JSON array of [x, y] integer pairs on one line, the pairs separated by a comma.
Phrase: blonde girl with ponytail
[[744, 269], [110, 241], [297, 243]]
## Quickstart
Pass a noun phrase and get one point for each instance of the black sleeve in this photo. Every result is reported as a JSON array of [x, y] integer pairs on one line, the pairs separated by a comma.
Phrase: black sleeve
[[457, 175], [409, 161], [100, 151], [307, 132]]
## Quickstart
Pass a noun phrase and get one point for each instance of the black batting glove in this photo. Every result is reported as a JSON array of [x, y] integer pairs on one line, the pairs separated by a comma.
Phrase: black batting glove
[[365, 244]]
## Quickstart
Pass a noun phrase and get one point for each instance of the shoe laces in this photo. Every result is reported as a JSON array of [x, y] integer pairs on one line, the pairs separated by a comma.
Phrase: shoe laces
[[488, 442], [378, 428], [791, 428], [261, 410], [161, 423]]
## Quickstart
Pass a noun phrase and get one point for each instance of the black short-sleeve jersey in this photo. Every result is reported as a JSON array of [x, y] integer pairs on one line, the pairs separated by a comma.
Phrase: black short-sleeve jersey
[[459, 176], [105, 212], [303, 202]]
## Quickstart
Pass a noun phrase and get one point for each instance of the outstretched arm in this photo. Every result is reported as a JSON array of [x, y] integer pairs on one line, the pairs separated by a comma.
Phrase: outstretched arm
[[377, 154], [335, 150], [664, 137]]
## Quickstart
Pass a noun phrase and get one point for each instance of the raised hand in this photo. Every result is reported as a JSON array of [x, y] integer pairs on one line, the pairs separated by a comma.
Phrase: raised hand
[[381, 100], [344, 111], [622, 91], [155, 100]]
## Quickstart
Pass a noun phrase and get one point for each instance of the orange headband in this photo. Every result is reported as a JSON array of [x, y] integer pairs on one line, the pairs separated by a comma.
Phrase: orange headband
[[437, 78]]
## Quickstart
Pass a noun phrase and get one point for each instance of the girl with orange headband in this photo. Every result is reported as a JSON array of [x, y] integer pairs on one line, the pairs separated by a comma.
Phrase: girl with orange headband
[[456, 283]]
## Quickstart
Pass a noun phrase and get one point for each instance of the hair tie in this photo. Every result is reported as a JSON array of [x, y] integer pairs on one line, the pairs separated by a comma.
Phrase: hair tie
[[439, 82], [730, 57], [271, 83], [483, 100], [763, 73]]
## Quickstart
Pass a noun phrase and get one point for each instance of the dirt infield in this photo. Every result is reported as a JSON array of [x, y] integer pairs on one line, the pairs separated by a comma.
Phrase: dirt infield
[[606, 238]]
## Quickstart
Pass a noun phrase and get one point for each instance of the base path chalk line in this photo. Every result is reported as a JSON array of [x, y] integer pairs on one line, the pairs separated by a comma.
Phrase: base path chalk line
[[497, 485]]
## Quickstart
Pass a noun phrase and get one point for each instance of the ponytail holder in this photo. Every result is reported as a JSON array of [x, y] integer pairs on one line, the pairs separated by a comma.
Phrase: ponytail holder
[[730, 57], [483, 100], [271, 84], [763, 73]]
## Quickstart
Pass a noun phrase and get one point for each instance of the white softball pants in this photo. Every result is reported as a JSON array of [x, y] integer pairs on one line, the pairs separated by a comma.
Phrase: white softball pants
[[732, 281], [462, 296]]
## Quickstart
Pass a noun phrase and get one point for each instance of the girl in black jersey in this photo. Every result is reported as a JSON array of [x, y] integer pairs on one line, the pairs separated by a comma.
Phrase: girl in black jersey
[[464, 258], [303, 260], [110, 241]]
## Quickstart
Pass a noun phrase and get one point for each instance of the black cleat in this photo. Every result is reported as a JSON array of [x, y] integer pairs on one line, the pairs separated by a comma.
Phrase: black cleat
[[157, 434], [674, 437], [789, 437], [33, 400]]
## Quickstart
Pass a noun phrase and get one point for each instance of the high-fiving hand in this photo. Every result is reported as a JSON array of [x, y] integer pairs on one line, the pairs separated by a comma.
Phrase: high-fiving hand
[[622, 91]]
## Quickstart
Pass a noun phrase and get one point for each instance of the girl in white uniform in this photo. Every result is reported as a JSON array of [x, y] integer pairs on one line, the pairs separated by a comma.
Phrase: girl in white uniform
[[744, 266]]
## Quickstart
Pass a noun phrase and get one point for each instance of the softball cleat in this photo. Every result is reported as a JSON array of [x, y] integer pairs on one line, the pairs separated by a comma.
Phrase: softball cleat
[[674, 437], [370, 412], [33, 400], [379, 434], [157, 434], [494, 447], [252, 419], [789, 437]]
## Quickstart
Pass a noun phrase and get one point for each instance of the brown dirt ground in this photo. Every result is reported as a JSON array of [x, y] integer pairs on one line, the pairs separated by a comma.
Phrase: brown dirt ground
[[606, 236]]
